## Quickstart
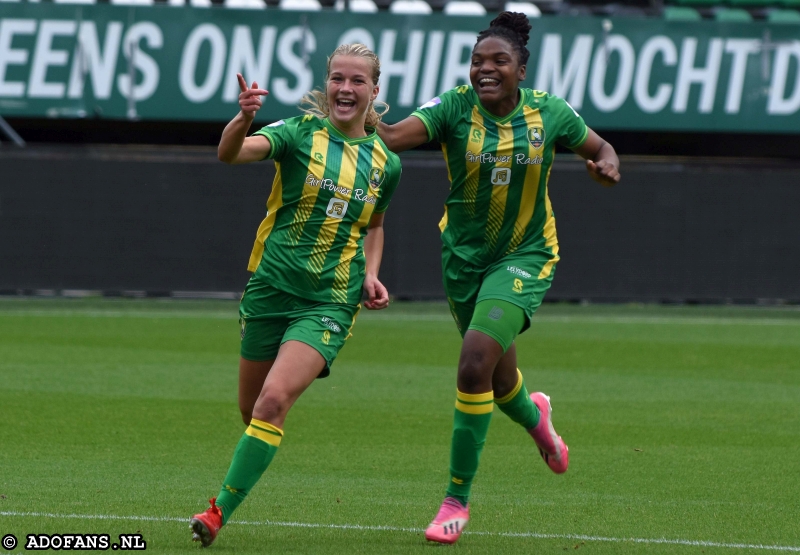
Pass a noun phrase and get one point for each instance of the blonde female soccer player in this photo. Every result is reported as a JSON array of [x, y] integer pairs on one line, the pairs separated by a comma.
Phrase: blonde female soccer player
[[499, 239], [319, 246]]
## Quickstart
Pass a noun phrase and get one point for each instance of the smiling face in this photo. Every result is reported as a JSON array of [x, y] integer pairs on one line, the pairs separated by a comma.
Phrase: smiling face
[[495, 74], [350, 90]]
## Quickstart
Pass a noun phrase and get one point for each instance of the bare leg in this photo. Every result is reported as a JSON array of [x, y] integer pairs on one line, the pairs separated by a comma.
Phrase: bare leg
[[295, 368], [483, 366], [504, 379], [251, 381], [480, 355]]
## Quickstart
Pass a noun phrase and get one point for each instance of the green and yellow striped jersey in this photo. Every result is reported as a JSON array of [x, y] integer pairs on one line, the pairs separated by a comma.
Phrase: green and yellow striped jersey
[[498, 170], [326, 189]]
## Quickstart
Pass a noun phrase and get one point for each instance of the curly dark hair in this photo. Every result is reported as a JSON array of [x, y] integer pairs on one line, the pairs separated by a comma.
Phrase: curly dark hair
[[513, 27]]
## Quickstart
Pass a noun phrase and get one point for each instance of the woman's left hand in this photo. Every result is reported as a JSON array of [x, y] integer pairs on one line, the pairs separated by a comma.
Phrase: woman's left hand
[[604, 172], [377, 295]]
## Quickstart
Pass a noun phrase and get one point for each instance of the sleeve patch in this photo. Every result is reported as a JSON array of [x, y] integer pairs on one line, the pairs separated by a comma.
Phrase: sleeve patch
[[277, 123], [431, 103]]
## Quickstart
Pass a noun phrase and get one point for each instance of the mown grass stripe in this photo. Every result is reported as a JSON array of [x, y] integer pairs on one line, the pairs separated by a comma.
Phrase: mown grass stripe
[[379, 528], [404, 317]]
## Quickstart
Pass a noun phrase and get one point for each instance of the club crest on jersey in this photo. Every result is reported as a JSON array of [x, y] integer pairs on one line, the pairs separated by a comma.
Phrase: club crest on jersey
[[376, 176], [536, 136]]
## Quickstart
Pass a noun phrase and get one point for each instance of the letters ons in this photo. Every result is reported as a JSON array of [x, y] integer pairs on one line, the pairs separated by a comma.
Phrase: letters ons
[[625, 72]]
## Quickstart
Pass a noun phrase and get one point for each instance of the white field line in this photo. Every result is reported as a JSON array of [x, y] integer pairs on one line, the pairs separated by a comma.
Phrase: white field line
[[405, 317], [582, 537]]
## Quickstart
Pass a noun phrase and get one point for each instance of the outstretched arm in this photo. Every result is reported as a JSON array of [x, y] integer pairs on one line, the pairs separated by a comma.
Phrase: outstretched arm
[[235, 147], [403, 135], [378, 296], [602, 162]]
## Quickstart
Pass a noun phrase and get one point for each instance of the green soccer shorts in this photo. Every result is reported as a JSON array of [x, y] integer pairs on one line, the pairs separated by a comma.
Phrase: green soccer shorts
[[269, 317], [521, 279]]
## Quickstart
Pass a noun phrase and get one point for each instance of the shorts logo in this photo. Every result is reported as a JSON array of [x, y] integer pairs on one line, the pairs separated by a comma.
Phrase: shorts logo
[[476, 136], [331, 325], [501, 176], [376, 176], [326, 336], [243, 324], [536, 137], [496, 313], [518, 271], [517, 286], [337, 208]]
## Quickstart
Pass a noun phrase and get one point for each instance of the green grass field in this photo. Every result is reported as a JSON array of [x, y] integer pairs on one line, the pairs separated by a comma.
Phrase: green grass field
[[120, 416]]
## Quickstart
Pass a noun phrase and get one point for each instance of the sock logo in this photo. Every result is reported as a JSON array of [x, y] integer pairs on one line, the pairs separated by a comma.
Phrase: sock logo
[[231, 489]]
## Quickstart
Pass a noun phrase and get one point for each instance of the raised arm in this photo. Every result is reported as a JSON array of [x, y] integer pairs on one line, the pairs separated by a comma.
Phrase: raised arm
[[377, 295], [602, 162], [404, 134], [235, 147]]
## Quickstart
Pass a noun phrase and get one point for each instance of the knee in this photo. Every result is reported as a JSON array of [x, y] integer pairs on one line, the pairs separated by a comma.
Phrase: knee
[[271, 405], [474, 372]]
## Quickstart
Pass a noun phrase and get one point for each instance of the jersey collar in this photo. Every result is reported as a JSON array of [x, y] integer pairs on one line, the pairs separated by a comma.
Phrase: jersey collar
[[371, 133], [504, 119]]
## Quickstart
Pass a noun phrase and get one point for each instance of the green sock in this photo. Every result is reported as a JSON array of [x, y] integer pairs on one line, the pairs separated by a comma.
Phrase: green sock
[[250, 459], [470, 425], [518, 405]]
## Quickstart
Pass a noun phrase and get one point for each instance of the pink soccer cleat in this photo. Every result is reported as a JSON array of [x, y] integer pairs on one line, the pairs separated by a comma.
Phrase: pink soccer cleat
[[206, 525], [450, 521], [552, 448]]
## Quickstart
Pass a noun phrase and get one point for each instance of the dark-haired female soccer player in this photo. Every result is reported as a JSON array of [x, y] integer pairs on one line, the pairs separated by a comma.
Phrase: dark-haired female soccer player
[[499, 239], [318, 247]]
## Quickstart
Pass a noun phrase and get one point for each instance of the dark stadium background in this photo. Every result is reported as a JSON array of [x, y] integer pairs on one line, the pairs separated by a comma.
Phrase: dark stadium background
[[141, 207]]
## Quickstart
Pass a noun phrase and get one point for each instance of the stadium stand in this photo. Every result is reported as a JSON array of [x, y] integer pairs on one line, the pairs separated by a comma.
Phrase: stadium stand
[[245, 4], [300, 5], [785, 12], [464, 7], [783, 16], [410, 7], [732, 15], [356, 6], [531, 10], [681, 13]]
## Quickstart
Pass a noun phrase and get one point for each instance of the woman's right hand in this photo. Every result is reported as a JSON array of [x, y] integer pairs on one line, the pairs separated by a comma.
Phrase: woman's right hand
[[250, 98]]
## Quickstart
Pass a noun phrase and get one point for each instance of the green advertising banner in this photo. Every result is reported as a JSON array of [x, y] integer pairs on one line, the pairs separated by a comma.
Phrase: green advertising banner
[[166, 63]]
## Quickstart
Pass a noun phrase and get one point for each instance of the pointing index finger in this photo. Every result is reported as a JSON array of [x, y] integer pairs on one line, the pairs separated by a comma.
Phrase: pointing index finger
[[242, 82]]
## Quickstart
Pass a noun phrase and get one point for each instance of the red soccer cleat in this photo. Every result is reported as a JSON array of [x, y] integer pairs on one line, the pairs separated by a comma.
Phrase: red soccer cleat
[[206, 525], [552, 448]]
